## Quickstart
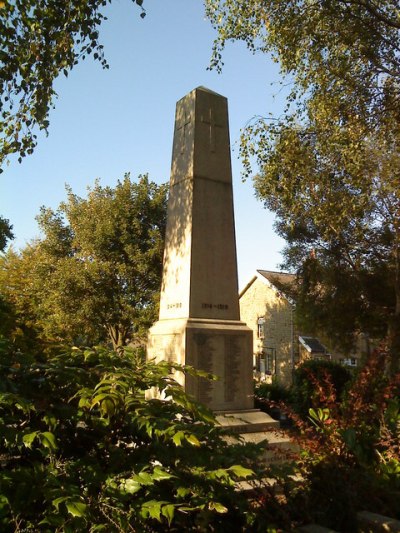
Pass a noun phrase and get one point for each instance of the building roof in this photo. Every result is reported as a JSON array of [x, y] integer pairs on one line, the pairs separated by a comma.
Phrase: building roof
[[312, 345], [277, 277]]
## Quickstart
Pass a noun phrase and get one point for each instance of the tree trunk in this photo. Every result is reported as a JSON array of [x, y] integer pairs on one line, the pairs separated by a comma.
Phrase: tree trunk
[[118, 336]]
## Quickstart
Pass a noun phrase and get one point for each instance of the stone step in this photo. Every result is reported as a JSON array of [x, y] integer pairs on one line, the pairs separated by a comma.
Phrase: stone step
[[278, 447], [255, 426], [249, 421], [315, 528], [367, 522], [376, 523]]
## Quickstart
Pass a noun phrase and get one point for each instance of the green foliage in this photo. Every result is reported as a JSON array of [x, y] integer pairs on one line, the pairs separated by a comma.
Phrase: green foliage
[[5, 232], [273, 392], [306, 391], [39, 40], [329, 166], [83, 450], [270, 397], [347, 52], [343, 63], [340, 301], [96, 272], [18, 302], [351, 453]]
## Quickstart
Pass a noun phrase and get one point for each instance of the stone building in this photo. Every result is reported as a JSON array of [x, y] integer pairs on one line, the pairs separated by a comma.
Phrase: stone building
[[270, 314], [278, 345]]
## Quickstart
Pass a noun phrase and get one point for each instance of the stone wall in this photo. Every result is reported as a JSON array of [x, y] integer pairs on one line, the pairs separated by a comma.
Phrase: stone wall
[[261, 299]]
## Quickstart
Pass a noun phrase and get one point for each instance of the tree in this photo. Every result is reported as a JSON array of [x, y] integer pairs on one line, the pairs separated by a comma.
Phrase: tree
[[5, 232], [96, 273], [20, 322], [329, 167], [39, 40], [5, 235]]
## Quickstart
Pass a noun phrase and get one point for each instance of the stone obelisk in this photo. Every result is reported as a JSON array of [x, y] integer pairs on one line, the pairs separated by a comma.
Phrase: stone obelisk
[[199, 322]]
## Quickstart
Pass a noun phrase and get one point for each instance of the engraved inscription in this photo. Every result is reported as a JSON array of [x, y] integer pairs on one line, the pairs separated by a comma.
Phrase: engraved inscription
[[232, 366], [176, 305], [205, 353], [214, 306]]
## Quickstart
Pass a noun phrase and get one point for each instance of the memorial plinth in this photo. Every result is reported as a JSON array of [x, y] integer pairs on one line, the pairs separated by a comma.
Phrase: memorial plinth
[[199, 322]]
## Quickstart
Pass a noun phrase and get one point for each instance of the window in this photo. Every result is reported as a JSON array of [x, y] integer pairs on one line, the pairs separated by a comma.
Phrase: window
[[266, 361], [261, 328], [270, 360], [350, 361]]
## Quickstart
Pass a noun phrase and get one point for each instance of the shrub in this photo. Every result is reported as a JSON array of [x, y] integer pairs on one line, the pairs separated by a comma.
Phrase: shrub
[[273, 392], [351, 448], [270, 397], [83, 450], [307, 379]]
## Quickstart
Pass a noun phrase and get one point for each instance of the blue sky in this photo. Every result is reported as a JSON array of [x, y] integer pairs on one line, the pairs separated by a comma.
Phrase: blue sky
[[108, 122]]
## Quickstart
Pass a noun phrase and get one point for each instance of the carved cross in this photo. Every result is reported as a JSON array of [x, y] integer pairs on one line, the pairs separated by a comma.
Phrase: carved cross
[[213, 124], [183, 122]]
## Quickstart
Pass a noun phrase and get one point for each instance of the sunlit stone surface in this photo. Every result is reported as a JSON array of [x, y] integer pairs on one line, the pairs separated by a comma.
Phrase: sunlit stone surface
[[199, 322]]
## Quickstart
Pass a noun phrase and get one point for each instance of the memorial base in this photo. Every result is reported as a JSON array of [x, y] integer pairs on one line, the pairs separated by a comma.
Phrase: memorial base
[[222, 348]]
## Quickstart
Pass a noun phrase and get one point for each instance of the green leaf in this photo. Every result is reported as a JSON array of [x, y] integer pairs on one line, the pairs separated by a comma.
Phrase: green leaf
[[319, 415], [50, 420], [3, 501], [99, 398], [241, 471], [130, 486], [29, 438], [178, 437], [160, 474], [193, 439], [145, 478], [220, 473], [216, 506], [107, 406], [48, 440], [182, 492], [168, 511], [152, 508], [89, 354], [85, 402], [76, 508], [57, 501]]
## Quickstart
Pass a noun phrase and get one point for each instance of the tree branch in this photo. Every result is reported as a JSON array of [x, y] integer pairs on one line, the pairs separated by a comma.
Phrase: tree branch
[[375, 12]]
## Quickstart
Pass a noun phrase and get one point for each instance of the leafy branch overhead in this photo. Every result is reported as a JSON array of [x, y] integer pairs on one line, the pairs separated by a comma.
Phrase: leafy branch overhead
[[39, 40], [329, 167]]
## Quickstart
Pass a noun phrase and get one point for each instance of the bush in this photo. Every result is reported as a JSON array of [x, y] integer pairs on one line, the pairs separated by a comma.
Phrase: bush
[[308, 377], [350, 447], [273, 392], [83, 450], [269, 397]]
